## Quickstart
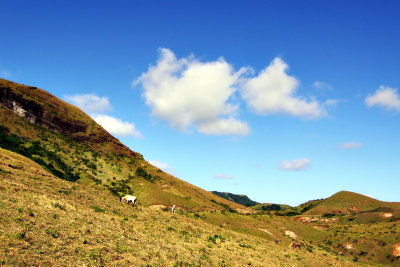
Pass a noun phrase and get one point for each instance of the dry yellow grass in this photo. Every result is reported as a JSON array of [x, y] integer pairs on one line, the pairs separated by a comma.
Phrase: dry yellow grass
[[48, 221]]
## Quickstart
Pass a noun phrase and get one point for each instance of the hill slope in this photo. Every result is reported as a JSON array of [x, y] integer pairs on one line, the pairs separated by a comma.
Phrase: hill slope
[[49, 221], [69, 144]]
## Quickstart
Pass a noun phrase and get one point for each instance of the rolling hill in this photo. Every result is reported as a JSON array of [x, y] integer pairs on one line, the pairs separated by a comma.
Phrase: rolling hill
[[72, 146], [348, 203]]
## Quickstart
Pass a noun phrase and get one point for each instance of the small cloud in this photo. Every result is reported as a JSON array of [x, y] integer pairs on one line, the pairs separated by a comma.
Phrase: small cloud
[[331, 102], [90, 103], [350, 145], [385, 97], [4, 74], [259, 166], [322, 86], [295, 165], [220, 176], [161, 165], [116, 126]]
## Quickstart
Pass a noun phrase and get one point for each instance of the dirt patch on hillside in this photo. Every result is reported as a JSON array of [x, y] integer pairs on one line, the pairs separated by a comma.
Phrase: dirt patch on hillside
[[396, 250], [158, 207]]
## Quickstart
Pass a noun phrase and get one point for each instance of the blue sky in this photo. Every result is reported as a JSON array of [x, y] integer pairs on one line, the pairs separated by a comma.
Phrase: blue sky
[[283, 101]]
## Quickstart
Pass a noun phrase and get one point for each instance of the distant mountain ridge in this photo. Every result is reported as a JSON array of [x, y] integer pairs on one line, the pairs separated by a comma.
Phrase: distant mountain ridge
[[240, 199]]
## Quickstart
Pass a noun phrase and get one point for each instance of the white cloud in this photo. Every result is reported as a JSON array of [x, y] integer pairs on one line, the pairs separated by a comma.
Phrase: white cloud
[[220, 176], [116, 126], [188, 94], [90, 103], [273, 91], [161, 165], [322, 86], [295, 165], [350, 145], [385, 97]]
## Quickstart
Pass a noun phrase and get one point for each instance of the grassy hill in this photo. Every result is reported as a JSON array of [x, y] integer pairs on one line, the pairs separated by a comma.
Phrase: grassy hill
[[70, 145], [349, 203], [240, 199], [49, 221]]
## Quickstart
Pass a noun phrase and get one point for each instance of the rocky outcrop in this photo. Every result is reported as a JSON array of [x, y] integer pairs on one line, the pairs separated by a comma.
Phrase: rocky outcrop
[[43, 109], [35, 113]]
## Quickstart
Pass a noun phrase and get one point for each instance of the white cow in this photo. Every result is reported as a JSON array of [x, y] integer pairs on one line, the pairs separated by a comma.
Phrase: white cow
[[129, 199]]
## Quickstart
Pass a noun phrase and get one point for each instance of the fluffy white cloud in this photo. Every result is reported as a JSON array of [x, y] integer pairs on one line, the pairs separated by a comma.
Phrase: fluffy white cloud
[[295, 165], [350, 145], [161, 165], [90, 103], [220, 176], [385, 97], [116, 126], [273, 91], [188, 93]]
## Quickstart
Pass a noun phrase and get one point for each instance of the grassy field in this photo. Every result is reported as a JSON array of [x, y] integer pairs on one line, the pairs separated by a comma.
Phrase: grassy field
[[49, 221]]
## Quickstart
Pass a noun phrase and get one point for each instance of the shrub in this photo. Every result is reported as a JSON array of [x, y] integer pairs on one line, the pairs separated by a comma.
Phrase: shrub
[[97, 209], [21, 235], [53, 233], [59, 206]]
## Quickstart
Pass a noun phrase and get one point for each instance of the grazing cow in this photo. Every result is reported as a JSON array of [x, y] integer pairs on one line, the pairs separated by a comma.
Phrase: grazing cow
[[129, 199]]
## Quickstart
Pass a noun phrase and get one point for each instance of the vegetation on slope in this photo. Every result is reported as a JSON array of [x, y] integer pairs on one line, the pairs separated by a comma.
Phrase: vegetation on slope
[[49, 221]]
